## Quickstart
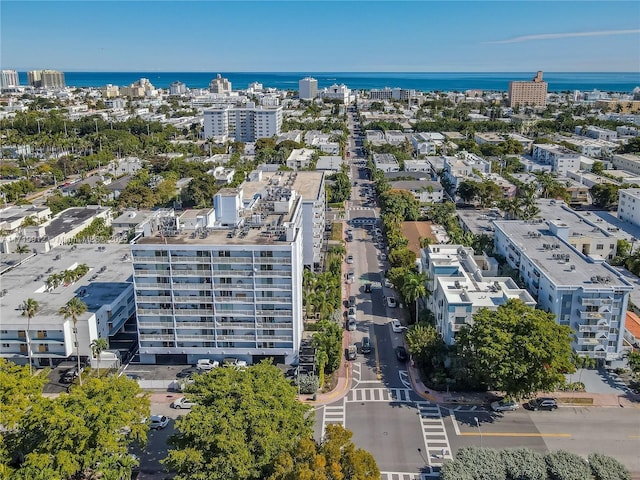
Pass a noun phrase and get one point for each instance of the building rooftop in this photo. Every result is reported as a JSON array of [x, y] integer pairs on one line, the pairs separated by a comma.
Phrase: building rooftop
[[110, 272], [561, 263]]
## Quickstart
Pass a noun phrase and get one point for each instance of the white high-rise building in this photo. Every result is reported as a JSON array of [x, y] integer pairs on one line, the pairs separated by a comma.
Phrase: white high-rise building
[[9, 78], [308, 88], [244, 124], [223, 282], [220, 85]]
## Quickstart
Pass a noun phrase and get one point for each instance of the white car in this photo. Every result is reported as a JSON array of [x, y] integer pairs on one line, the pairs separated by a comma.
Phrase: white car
[[351, 314], [391, 302], [350, 259], [182, 402], [207, 364], [387, 283], [505, 406], [397, 327], [158, 422]]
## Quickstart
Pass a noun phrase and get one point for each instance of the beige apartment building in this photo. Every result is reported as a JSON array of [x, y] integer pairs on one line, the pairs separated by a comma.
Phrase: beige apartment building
[[528, 93]]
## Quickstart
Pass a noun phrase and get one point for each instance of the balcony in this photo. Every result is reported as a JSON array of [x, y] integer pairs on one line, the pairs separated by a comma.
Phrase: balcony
[[154, 273], [191, 273], [193, 311], [274, 338], [231, 312], [156, 338], [231, 338], [232, 325], [274, 326], [152, 299], [194, 299], [182, 260], [155, 311], [153, 286], [195, 338], [591, 315]]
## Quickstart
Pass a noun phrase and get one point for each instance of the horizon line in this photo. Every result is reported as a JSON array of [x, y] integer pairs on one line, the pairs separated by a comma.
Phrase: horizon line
[[308, 72]]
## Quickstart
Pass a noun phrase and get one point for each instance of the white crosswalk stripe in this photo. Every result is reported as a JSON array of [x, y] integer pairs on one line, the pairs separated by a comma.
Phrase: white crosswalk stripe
[[356, 368], [333, 414], [402, 395], [409, 475], [437, 446]]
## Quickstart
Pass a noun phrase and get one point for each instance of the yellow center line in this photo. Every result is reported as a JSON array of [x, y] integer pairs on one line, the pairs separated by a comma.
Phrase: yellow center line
[[375, 346], [514, 434], [634, 436]]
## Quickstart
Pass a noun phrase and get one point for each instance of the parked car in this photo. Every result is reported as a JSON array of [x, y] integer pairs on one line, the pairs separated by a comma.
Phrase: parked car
[[234, 362], [182, 402], [387, 283], [401, 354], [391, 302], [542, 403], [350, 259], [351, 313], [383, 256], [351, 352], [70, 375], [366, 345], [351, 277], [207, 364], [158, 422], [505, 406], [187, 372], [133, 376], [367, 288], [351, 324], [396, 326], [352, 301]]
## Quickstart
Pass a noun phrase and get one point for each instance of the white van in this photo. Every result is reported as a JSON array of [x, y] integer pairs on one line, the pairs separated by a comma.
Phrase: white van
[[207, 364]]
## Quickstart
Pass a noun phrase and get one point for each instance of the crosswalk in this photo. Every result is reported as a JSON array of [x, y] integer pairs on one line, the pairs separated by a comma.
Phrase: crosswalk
[[333, 414], [437, 448], [402, 395]]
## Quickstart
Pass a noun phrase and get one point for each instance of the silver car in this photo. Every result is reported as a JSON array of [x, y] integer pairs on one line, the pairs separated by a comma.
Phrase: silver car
[[505, 406]]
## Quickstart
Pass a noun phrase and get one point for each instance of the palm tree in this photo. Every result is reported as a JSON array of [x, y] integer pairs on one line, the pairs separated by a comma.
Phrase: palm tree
[[29, 308], [22, 249], [98, 346], [414, 288], [73, 309]]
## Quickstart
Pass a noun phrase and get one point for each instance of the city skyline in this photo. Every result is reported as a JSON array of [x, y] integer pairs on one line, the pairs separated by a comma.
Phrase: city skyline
[[321, 36]]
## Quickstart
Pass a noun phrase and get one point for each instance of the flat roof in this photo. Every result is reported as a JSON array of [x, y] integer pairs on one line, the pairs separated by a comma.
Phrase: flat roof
[[579, 224], [72, 218], [560, 271], [28, 280]]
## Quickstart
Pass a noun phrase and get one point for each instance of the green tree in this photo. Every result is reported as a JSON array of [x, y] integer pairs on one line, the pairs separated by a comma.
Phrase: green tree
[[339, 188], [73, 309], [98, 346], [607, 468], [517, 349], [82, 434], [633, 359], [605, 195], [413, 289], [563, 465], [402, 257], [244, 419], [468, 190], [597, 168], [328, 338], [425, 345], [524, 464], [29, 309], [335, 458]]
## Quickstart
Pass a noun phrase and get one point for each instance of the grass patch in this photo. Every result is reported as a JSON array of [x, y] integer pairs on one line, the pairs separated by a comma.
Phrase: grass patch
[[336, 232], [576, 400]]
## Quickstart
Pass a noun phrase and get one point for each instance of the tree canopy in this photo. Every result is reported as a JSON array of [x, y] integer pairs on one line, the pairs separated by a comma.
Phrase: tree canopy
[[517, 349], [85, 433], [244, 419]]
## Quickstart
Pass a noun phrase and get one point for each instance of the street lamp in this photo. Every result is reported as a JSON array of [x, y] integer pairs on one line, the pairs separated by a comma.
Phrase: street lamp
[[479, 431]]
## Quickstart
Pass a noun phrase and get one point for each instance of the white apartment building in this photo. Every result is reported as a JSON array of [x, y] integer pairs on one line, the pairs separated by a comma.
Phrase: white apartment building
[[106, 290], [300, 158], [244, 124], [584, 293], [9, 78], [308, 88], [229, 284], [597, 133], [462, 284], [337, 92], [387, 162], [177, 88], [422, 191], [627, 161], [629, 205], [560, 158], [592, 147]]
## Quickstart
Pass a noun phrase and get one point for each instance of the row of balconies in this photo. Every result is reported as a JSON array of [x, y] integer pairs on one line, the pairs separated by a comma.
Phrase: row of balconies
[[216, 324], [210, 312], [593, 328], [207, 274]]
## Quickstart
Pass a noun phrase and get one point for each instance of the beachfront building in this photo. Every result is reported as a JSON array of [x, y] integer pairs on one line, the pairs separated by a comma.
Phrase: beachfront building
[[308, 88], [244, 124], [9, 78], [224, 282], [177, 88], [533, 93], [220, 85], [337, 92], [46, 79], [583, 292]]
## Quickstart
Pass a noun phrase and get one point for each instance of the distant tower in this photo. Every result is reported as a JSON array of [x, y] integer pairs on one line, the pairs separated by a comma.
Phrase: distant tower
[[308, 88], [8, 78], [220, 85], [46, 79], [532, 93]]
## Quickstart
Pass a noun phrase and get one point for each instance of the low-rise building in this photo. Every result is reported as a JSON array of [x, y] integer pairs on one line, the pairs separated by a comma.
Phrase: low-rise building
[[582, 291], [386, 162], [560, 158], [423, 191], [300, 158], [106, 290], [463, 283], [627, 161], [629, 205]]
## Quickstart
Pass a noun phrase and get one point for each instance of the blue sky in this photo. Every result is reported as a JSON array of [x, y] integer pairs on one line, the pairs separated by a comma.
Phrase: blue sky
[[321, 36]]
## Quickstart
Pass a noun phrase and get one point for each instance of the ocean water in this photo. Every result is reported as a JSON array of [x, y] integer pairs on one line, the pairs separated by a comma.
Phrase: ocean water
[[558, 81]]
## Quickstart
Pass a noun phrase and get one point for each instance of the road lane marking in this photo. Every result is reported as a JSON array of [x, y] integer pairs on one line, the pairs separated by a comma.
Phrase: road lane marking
[[455, 424], [505, 434], [375, 346]]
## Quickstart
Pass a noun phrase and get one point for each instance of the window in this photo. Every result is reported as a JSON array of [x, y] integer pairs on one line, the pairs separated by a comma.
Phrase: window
[[265, 254], [225, 281], [266, 267], [599, 247], [42, 334], [224, 253], [225, 293]]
